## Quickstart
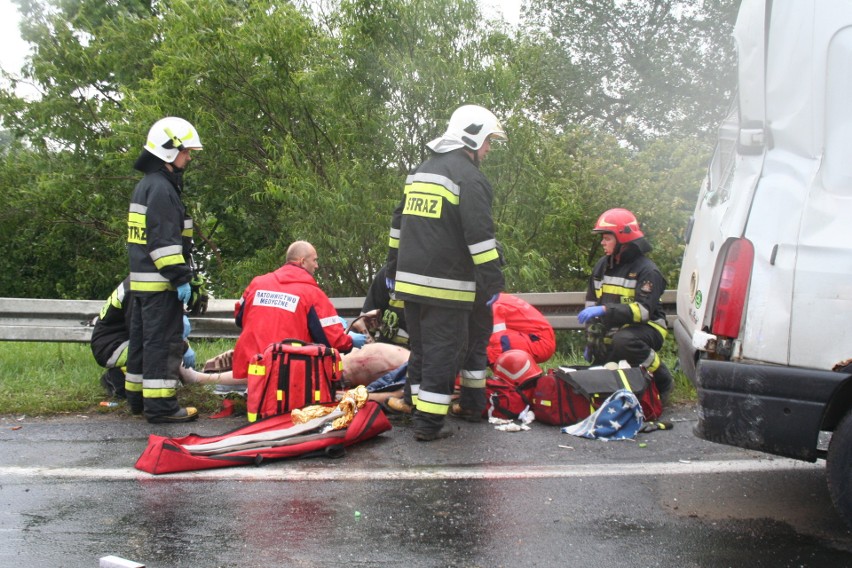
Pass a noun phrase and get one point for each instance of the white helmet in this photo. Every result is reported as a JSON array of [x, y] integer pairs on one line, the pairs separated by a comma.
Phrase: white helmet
[[469, 127], [169, 136]]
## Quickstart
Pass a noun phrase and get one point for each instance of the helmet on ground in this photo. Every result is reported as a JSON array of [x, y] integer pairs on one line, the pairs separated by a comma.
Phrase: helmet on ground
[[516, 365], [469, 127], [169, 136], [621, 223]]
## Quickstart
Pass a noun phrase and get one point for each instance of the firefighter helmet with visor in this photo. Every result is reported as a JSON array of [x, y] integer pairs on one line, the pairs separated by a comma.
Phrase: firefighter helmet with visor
[[621, 223], [470, 126], [169, 136]]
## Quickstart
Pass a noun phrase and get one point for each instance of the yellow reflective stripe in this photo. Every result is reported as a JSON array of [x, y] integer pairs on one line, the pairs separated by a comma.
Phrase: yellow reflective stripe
[[484, 257], [637, 314], [396, 304], [655, 364], [258, 370], [618, 291], [150, 286], [663, 331], [393, 243], [132, 387], [472, 382], [162, 262], [252, 416], [186, 233], [432, 407], [439, 293], [159, 393], [279, 395], [624, 380]]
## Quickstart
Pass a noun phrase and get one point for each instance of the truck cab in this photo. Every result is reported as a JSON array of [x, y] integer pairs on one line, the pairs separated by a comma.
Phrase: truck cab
[[764, 299]]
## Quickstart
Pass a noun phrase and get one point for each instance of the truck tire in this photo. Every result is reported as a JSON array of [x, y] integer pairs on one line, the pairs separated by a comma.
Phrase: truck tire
[[838, 468]]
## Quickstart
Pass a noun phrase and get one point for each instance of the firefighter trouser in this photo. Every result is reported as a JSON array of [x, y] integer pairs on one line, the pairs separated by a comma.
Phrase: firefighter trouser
[[476, 360], [111, 355], [639, 345], [437, 338], [154, 353]]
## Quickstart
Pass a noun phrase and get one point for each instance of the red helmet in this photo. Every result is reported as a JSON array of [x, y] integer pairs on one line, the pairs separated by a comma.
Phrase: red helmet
[[516, 365], [621, 223]]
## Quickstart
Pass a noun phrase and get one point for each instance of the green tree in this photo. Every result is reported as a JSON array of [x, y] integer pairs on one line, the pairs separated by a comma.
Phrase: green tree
[[311, 115], [646, 67]]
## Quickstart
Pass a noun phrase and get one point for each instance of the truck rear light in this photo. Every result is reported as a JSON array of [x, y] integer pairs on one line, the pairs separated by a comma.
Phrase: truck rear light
[[733, 285]]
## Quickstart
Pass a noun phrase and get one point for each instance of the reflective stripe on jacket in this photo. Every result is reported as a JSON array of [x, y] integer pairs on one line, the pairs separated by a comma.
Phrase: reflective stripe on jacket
[[159, 236], [442, 245]]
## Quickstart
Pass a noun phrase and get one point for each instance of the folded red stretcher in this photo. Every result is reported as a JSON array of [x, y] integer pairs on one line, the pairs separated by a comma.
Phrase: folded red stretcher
[[272, 438]]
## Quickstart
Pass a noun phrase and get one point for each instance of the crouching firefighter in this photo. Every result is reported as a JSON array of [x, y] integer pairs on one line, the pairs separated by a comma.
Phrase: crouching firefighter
[[159, 244], [623, 316]]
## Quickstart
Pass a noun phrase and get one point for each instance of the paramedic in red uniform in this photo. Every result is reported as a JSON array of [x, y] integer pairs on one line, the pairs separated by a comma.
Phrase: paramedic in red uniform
[[288, 304], [518, 325], [444, 264]]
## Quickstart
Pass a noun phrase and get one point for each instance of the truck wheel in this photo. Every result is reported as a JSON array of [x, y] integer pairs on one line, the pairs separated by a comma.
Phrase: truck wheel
[[838, 468]]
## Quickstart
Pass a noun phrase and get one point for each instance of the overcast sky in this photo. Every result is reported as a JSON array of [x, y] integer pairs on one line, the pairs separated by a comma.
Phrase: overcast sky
[[13, 50]]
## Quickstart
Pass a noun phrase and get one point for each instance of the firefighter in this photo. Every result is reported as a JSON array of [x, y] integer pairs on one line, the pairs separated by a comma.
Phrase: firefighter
[[389, 321], [110, 338], [444, 264], [159, 244], [623, 315]]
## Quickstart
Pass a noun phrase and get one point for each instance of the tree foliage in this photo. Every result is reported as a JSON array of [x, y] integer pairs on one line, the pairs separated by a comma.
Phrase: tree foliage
[[311, 114]]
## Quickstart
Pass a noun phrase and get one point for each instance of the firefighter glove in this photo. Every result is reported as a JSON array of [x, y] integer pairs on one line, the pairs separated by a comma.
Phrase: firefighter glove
[[389, 282], [591, 313], [184, 292], [492, 299]]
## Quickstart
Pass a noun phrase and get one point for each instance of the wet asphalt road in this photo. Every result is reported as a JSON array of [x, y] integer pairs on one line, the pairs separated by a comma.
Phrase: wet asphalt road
[[69, 495]]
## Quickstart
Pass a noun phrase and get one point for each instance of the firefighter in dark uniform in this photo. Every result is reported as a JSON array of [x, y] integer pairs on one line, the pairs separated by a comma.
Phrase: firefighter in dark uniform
[[159, 244], [110, 338], [623, 315], [444, 264], [390, 321]]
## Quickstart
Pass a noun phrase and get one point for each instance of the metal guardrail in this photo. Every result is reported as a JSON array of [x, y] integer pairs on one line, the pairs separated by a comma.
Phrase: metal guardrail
[[69, 321]]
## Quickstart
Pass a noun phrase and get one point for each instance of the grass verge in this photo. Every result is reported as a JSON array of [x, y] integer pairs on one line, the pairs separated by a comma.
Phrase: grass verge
[[44, 379]]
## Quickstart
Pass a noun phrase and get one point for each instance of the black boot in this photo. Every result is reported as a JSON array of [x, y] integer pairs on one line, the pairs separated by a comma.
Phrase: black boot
[[665, 383]]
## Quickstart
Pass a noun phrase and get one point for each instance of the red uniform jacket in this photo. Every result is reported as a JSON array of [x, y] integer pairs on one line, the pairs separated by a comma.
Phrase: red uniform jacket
[[285, 304], [518, 325]]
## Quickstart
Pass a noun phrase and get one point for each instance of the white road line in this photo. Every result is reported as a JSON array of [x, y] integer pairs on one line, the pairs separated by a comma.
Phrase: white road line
[[277, 472]]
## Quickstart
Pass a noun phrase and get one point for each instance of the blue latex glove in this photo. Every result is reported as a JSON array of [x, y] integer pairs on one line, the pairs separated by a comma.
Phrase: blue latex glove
[[591, 313], [187, 327], [587, 354], [189, 359], [184, 292], [492, 299], [358, 339], [389, 282]]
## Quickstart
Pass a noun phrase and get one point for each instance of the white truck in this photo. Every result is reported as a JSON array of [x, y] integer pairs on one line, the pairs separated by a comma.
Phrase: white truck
[[764, 300]]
